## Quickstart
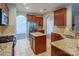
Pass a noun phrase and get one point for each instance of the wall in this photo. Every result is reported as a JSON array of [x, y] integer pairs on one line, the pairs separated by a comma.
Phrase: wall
[[10, 29], [69, 17], [45, 20], [75, 11]]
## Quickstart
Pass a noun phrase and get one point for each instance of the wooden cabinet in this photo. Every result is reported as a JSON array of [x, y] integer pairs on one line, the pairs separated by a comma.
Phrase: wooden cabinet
[[29, 17], [1, 5], [57, 52], [36, 19], [38, 44], [60, 17], [41, 21], [56, 37], [42, 31]]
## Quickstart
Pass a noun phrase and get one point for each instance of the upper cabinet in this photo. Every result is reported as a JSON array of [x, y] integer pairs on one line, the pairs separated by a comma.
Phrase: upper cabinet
[[41, 21], [38, 20], [60, 17], [1, 5]]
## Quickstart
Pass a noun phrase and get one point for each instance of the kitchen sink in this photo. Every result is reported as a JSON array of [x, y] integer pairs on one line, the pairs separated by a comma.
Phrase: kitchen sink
[[69, 36]]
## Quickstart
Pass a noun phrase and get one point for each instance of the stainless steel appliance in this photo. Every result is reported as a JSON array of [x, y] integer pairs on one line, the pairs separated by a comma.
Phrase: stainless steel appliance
[[33, 26], [4, 20]]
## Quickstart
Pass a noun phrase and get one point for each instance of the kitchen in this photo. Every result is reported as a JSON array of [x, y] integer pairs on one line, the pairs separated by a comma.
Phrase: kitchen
[[61, 41]]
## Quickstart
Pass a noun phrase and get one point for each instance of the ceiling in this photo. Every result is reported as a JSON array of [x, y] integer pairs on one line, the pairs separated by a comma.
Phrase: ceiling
[[36, 7]]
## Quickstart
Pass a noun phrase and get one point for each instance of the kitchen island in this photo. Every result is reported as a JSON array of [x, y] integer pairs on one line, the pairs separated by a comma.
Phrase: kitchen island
[[38, 42], [65, 47]]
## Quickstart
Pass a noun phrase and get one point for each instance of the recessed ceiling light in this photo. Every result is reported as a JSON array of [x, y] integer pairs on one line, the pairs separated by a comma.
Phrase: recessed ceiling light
[[27, 8], [43, 10], [24, 3]]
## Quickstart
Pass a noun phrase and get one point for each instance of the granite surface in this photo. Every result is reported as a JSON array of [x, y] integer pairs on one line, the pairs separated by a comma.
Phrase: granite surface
[[6, 49], [36, 34], [69, 46]]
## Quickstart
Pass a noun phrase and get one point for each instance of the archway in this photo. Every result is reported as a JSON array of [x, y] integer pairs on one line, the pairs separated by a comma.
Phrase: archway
[[21, 27]]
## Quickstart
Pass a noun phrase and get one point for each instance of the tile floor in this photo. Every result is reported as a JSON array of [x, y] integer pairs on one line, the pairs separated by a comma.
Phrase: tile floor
[[22, 48]]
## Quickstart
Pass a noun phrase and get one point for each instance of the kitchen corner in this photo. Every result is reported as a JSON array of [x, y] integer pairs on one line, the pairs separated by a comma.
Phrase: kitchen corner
[[7, 30], [7, 40]]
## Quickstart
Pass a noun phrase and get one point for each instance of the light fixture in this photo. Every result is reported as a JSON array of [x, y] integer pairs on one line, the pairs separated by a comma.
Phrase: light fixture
[[43, 10], [27, 8], [24, 3]]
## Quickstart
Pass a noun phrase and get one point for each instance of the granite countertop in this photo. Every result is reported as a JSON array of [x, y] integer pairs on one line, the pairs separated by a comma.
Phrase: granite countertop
[[6, 49], [68, 45], [7, 35], [36, 34]]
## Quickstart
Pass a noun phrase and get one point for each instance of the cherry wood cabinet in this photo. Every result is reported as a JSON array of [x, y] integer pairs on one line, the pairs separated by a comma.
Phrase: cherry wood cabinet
[[60, 17], [38, 44], [36, 19], [1, 5], [41, 21], [57, 52], [42, 31], [29, 17], [56, 37]]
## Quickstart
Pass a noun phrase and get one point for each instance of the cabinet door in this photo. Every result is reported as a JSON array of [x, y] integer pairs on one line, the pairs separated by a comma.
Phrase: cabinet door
[[37, 20], [56, 37], [29, 17], [40, 44], [60, 17], [1, 5], [41, 21], [34, 18]]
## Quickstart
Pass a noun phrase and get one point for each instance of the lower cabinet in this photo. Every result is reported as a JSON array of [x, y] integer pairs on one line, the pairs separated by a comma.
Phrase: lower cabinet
[[57, 52], [56, 37], [38, 44], [42, 31]]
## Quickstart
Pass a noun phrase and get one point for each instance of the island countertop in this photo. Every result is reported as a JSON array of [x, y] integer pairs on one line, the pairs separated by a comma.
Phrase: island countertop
[[70, 46], [36, 34]]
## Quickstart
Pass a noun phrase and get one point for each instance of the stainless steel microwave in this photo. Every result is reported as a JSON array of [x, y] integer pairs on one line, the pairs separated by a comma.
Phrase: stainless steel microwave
[[4, 20]]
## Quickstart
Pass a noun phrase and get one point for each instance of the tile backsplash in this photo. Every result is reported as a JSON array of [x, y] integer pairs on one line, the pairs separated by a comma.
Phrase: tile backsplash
[[7, 30]]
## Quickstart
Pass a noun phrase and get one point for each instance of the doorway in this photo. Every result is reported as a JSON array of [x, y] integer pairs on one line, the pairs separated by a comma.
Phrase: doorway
[[21, 27]]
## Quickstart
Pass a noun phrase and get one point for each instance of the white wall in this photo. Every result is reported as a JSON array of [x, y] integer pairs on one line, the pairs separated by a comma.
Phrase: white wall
[[75, 11], [45, 20], [69, 16], [12, 14]]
